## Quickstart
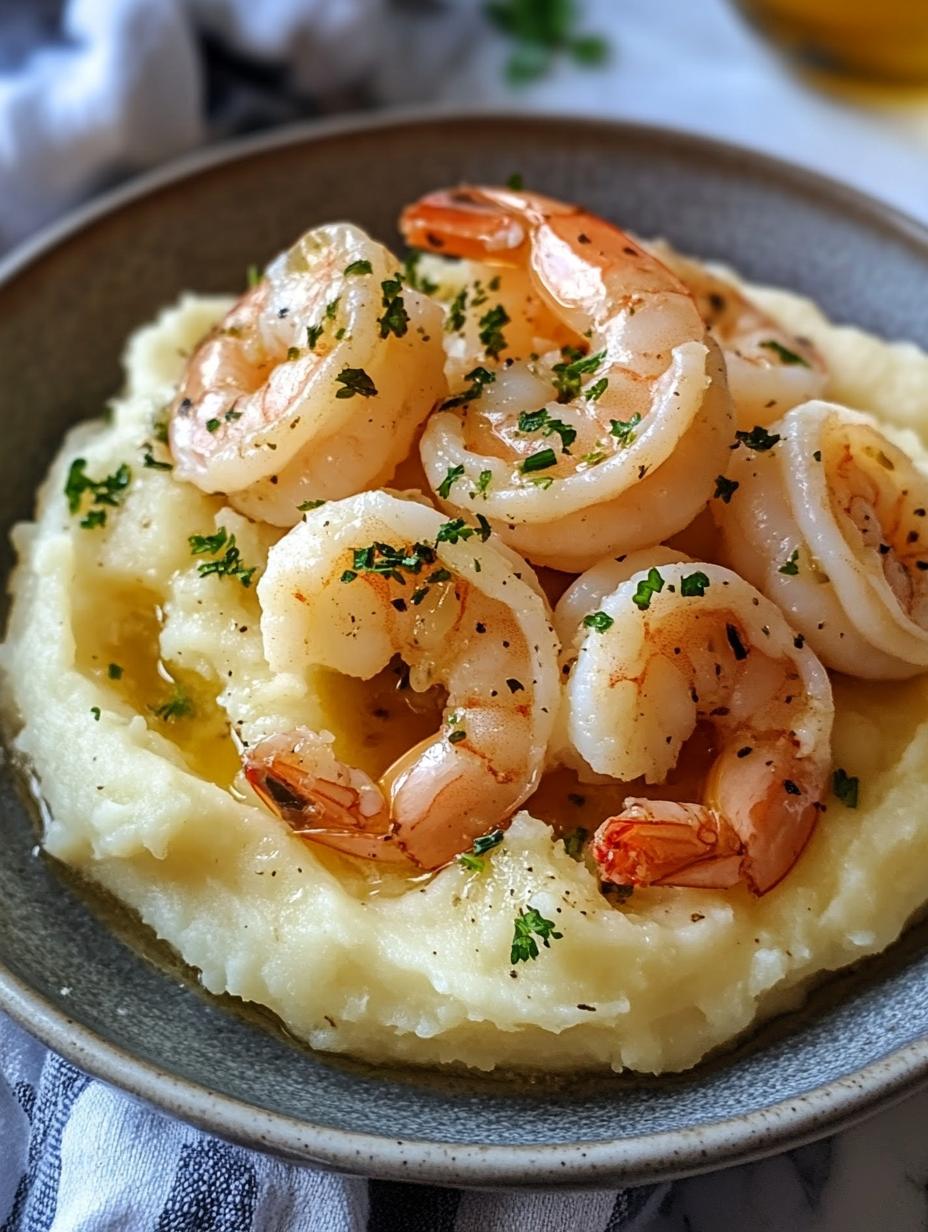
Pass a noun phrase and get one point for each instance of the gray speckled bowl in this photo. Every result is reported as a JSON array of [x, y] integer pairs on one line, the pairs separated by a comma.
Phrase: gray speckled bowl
[[66, 304]]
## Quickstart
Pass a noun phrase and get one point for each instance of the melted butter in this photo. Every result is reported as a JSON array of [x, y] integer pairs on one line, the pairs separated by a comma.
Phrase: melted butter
[[121, 631]]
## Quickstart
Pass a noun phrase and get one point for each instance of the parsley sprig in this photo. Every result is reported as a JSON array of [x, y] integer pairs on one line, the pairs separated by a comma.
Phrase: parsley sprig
[[541, 30], [784, 354], [472, 860], [395, 319], [478, 377], [624, 429], [600, 621], [103, 493], [541, 421], [528, 922], [491, 330], [229, 564], [647, 588], [846, 787], [569, 373], [355, 381], [177, 706]]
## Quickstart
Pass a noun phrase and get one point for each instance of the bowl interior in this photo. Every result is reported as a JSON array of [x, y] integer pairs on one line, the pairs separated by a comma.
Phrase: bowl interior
[[64, 317]]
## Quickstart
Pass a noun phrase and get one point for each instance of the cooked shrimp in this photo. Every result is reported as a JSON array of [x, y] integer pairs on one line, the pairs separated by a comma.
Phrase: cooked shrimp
[[830, 522], [375, 576], [607, 446], [314, 384], [770, 369], [678, 644]]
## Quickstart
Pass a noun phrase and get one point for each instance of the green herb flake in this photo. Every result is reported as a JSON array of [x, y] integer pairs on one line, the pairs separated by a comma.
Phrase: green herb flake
[[331, 308], [228, 565], [478, 377], [151, 462], [177, 706], [542, 30], [307, 505], [358, 267], [846, 787], [515, 182], [107, 492], [624, 429], [114, 671], [569, 373], [784, 354], [693, 585], [395, 319], [541, 421], [414, 279], [791, 566], [529, 922], [483, 482], [725, 488], [538, 461], [595, 391], [758, 439], [452, 475], [212, 425], [574, 842], [252, 276], [600, 621], [355, 382], [313, 334], [491, 330], [95, 711], [457, 736], [648, 587], [457, 312]]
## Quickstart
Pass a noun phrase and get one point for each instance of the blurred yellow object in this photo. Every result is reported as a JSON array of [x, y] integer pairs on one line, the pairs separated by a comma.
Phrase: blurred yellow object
[[883, 40]]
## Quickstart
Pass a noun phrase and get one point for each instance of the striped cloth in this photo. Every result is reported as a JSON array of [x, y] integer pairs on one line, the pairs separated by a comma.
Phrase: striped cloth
[[78, 1156]]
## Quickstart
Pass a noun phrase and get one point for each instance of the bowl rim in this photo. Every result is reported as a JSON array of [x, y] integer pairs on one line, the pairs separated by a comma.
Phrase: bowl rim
[[643, 1158]]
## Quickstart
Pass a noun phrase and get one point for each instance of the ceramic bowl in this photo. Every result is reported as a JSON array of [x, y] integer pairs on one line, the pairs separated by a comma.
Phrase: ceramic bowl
[[67, 302]]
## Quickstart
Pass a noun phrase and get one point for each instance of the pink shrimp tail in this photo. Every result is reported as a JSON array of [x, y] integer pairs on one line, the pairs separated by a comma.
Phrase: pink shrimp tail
[[661, 843]]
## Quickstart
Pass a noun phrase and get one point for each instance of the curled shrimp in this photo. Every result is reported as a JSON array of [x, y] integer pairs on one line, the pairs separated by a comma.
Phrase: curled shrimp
[[770, 369], [606, 445], [375, 576], [830, 522], [678, 644], [314, 384]]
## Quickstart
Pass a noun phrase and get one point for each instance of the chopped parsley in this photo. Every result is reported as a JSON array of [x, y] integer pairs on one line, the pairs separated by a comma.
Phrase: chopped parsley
[[516, 182], [107, 492], [784, 354], [528, 922], [647, 588], [95, 711], [693, 585], [457, 736], [417, 281], [725, 488], [569, 373], [228, 565], [114, 671], [457, 312], [483, 482], [355, 382], [541, 421], [151, 462], [252, 276], [478, 377], [595, 391], [538, 461], [758, 439], [846, 787], [575, 841], [307, 505], [159, 429], [453, 474], [212, 425], [390, 561], [458, 530], [331, 308], [541, 30], [395, 319], [313, 334], [491, 330], [358, 267], [177, 706], [600, 621], [471, 860], [791, 566], [624, 429]]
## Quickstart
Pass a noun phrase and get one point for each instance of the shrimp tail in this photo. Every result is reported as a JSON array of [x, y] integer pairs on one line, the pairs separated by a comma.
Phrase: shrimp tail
[[657, 842], [469, 222]]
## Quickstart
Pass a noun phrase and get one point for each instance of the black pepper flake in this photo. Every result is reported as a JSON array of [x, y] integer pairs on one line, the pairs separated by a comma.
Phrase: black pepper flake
[[745, 752], [399, 604], [734, 640], [791, 788], [515, 686], [799, 641]]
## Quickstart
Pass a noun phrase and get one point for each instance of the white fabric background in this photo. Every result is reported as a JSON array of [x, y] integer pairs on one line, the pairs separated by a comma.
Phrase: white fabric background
[[93, 90]]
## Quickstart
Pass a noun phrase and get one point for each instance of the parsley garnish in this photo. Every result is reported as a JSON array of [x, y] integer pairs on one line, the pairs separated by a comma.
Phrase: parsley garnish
[[417, 281], [538, 461], [395, 319], [725, 488], [600, 621], [569, 373], [359, 267], [149, 460], [791, 566], [541, 421], [457, 530], [252, 276], [693, 585], [453, 474], [575, 841], [595, 391], [624, 429], [758, 439], [647, 588], [305, 506], [541, 30], [95, 711], [485, 843], [515, 182], [478, 377], [212, 425], [524, 946], [784, 354], [846, 787], [178, 706], [114, 671], [331, 308], [227, 565], [355, 381], [159, 429], [491, 330], [313, 334], [390, 561], [457, 312], [108, 492], [483, 482]]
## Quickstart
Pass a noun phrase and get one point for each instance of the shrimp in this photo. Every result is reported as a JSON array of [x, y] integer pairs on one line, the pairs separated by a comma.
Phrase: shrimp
[[770, 369], [678, 644], [604, 446], [830, 522], [314, 384], [374, 576]]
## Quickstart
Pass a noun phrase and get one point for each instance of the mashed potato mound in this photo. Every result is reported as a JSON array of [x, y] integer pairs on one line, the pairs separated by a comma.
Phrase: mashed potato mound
[[149, 801]]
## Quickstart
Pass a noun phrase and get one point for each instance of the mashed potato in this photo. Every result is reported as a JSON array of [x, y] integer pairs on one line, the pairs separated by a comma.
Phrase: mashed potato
[[148, 800]]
